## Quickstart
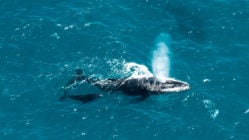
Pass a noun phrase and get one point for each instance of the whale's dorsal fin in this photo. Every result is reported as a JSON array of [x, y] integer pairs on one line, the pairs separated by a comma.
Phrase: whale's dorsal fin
[[77, 77]]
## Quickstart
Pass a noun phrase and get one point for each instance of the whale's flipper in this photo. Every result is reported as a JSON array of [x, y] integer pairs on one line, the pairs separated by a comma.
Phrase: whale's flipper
[[83, 98]]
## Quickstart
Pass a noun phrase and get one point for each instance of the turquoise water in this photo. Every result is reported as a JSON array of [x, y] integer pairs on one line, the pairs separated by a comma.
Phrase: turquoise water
[[43, 42]]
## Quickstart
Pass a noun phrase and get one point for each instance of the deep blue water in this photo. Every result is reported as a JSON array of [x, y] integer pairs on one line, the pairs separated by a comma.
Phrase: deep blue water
[[42, 42]]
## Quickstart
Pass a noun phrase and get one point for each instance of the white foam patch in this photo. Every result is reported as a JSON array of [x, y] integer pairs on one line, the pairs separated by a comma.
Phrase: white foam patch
[[247, 111], [137, 70], [161, 62], [206, 80], [211, 108]]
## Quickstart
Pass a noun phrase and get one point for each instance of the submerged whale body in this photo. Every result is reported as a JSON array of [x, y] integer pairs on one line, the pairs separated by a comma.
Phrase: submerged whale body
[[142, 86]]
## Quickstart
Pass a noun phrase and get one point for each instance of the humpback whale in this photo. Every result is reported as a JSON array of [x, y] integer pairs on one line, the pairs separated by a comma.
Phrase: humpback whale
[[142, 86]]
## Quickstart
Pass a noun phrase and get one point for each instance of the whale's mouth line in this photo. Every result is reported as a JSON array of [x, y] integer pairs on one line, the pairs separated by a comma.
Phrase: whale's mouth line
[[177, 89], [155, 85]]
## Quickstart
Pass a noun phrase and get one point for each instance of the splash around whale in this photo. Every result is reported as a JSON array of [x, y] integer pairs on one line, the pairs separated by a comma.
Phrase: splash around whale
[[140, 83]]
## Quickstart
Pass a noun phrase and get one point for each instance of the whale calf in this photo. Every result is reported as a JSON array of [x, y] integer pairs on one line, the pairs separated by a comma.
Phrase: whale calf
[[142, 86]]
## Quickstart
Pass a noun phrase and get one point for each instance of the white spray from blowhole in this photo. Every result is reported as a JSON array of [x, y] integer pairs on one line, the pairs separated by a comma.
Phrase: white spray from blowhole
[[160, 60]]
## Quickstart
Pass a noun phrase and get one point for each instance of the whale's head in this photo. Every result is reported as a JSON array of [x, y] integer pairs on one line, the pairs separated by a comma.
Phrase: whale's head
[[152, 84]]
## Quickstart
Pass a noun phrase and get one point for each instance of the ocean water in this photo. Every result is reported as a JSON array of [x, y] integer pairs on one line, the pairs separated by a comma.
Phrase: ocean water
[[202, 42]]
